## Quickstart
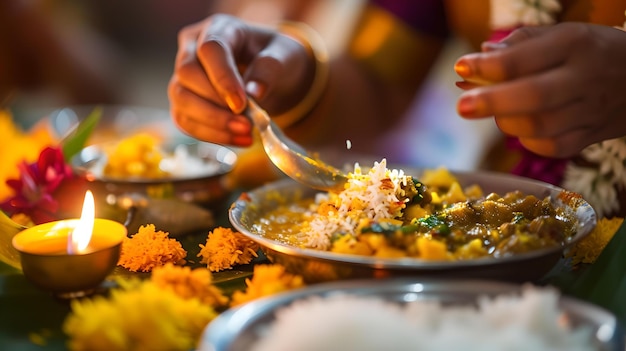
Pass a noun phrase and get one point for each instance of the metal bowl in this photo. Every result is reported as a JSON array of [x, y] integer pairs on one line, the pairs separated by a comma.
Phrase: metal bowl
[[239, 328], [318, 266], [120, 121]]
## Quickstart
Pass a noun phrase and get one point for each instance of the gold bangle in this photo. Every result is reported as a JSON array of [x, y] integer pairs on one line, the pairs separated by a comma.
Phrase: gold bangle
[[314, 43]]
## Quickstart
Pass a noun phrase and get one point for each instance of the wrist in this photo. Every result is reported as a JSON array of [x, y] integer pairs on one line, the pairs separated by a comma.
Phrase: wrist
[[316, 47]]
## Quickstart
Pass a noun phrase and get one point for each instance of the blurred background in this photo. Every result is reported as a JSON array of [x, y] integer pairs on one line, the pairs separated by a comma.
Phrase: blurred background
[[68, 52]]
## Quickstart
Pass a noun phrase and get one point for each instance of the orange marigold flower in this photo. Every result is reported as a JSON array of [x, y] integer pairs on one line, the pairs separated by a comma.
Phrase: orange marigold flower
[[225, 248], [267, 279], [150, 248]]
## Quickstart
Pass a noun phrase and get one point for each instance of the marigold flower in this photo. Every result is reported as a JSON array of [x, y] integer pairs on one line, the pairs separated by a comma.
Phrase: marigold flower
[[225, 248], [149, 248], [145, 317], [188, 283], [267, 279]]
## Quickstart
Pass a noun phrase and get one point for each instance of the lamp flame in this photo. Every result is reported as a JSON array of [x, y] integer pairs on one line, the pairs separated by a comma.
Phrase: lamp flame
[[80, 237]]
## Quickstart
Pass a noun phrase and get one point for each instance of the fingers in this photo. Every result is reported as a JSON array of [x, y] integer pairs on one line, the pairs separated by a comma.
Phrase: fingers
[[528, 95], [206, 121], [546, 124], [566, 145], [528, 50], [280, 75], [222, 46], [191, 75]]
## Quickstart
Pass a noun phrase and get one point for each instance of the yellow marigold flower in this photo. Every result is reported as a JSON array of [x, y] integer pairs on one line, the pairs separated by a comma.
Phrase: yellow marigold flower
[[143, 318], [149, 248], [589, 248], [225, 248], [267, 280], [188, 283]]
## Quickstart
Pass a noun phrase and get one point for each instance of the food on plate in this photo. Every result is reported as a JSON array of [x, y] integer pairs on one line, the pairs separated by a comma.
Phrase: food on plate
[[345, 321], [136, 156], [386, 213], [144, 155]]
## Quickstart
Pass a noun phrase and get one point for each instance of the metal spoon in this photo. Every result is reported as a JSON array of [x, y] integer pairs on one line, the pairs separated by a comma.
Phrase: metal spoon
[[290, 157]]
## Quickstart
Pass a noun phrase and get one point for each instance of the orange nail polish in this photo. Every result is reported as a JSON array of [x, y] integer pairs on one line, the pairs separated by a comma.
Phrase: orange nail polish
[[462, 69], [235, 103], [467, 106]]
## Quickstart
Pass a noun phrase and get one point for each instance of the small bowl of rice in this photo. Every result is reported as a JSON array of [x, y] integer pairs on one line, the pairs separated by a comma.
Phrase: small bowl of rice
[[410, 314]]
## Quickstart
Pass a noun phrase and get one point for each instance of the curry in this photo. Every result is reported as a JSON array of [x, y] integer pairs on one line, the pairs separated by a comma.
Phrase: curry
[[388, 214]]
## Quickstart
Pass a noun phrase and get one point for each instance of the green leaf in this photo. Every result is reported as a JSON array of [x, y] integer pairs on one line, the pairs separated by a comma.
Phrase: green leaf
[[76, 140], [8, 254], [604, 282]]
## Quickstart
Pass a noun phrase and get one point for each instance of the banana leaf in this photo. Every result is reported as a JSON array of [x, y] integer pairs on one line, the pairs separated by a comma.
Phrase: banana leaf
[[8, 254], [603, 282]]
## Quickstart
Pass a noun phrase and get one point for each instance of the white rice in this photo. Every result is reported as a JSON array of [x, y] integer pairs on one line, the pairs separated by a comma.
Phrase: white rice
[[530, 321], [371, 190]]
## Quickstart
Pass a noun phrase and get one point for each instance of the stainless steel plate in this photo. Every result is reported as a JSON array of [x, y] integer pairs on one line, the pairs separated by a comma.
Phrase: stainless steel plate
[[239, 328], [317, 266], [202, 184]]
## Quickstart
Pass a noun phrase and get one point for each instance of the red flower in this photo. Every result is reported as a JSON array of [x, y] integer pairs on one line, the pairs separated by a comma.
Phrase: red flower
[[36, 186]]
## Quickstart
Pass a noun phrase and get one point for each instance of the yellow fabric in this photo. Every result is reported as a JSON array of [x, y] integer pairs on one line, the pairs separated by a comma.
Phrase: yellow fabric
[[470, 19], [389, 48]]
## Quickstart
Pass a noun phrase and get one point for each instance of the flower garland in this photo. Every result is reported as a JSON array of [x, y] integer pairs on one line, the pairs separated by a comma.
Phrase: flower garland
[[599, 173]]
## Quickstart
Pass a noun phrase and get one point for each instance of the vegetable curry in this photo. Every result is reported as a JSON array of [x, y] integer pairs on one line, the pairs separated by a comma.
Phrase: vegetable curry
[[385, 213]]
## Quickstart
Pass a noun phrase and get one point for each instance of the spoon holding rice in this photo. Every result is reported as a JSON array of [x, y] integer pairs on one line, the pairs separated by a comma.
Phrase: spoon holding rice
[[291, 158]]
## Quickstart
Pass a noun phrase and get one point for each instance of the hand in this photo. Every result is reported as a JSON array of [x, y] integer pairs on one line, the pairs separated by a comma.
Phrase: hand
[[558, 88], [222, 60]]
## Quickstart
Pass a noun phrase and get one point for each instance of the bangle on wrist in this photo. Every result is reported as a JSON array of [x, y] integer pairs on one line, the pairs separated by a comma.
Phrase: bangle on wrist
[[312, 41]]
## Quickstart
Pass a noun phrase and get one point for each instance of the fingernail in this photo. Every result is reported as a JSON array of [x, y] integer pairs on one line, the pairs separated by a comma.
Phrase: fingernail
[[467, 105], [235, 102], [239, 126], [465, 85], [462, 68], [255, 89], [492, 46], [242, 140]]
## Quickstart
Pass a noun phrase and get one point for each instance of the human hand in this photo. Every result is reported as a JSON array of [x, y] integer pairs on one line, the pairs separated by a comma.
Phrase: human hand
[[558, 88], [222, 60]]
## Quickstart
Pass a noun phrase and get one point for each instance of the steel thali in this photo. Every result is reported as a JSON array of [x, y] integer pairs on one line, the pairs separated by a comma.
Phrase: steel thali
[[319, 266]]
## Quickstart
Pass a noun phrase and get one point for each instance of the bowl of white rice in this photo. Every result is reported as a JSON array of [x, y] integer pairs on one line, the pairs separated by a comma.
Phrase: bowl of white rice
[[409, 314]]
